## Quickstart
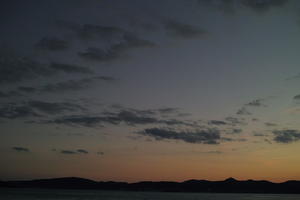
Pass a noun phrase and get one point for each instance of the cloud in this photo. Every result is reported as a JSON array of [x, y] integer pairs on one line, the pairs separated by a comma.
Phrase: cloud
[[69, 152], [235, 121], [255, 103], [82, 151], [255, 119], [259, 134], [14, 111], [36, 109], [27, 89], [227, 139], [209, 136], [52, 44], [118, 40], [58, 87], [270, 124], [232, 6], [9, 94], [213, 152], [67, 68], [127, 117], [115, 51], [74, 85], [185, 31], [263, 5], [217, 122], [91, 31], [297, 97], [21, 149], [53, 107], [243, 111], [286, 136], [267, 141], [72, 152], [14, 68], [235, 131], [97, 54], [131, 117]]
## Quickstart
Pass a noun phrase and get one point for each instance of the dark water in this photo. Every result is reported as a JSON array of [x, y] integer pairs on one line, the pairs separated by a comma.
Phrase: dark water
[[39, 194]]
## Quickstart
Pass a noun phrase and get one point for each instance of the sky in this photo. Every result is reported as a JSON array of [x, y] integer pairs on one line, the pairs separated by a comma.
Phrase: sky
[[131, 90]]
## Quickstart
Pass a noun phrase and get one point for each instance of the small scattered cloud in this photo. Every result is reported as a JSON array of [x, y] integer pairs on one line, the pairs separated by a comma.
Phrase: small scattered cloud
[[297, 97], [213, 152], [286, 136], [243, 111], [233, 6], [14, 111], [131, 117], [9, 94], [68, 68], [217, 122], [184, 31], [235, 121], [255, 103], [14, 68], [257, 134], [68, 152], [209, 136], [115, 51], [83, 151], [73, 85], [91, 31], [270, 124], [21, 149], [52, 44], [263, 5], [72, 152], [235, 131], [267, 141], [26, 89], [36, 109]]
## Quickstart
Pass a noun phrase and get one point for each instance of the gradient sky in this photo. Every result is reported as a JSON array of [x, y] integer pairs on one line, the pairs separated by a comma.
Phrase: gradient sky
[[132, 90]]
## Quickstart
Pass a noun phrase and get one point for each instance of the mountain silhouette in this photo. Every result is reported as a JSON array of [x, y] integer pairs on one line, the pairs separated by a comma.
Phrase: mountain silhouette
[[229, 185]]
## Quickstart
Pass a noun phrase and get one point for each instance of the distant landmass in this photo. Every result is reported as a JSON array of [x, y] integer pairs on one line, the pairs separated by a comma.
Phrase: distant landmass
[[229, 185]]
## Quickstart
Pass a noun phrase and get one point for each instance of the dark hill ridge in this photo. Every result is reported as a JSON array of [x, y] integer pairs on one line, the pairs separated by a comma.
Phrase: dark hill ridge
[[230, 185]]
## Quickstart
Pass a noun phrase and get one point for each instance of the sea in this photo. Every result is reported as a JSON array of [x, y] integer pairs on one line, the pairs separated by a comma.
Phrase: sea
[[43, 194]]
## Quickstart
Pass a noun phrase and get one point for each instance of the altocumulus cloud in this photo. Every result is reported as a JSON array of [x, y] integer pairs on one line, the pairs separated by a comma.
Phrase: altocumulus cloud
[[209, 136]]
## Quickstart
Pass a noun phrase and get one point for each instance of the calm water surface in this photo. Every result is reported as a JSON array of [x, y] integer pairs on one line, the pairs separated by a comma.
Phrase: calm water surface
[[39, 194]]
